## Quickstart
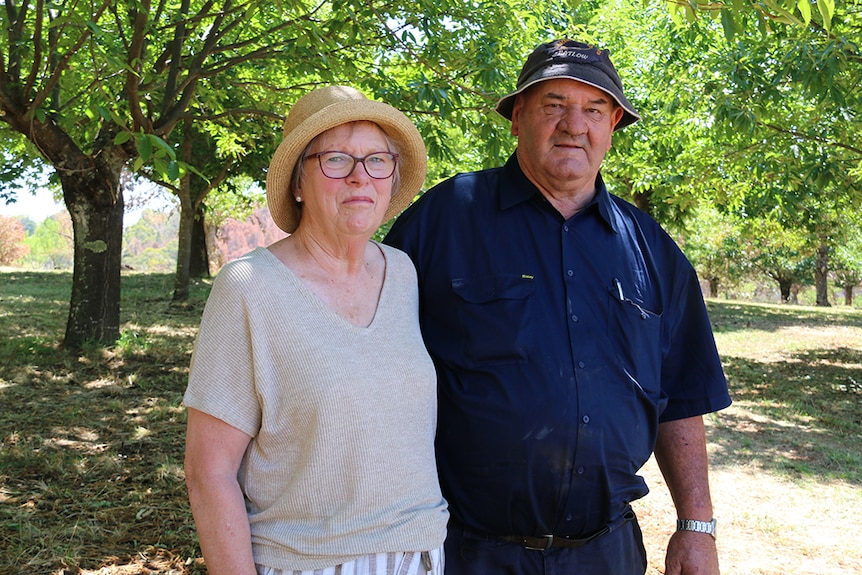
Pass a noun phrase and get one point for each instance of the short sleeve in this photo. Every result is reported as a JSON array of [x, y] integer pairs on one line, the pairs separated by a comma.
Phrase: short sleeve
[[221, 378]]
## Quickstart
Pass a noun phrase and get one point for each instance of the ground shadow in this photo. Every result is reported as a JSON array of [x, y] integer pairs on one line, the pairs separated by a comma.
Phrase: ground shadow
[[801, 416], [739, 316]]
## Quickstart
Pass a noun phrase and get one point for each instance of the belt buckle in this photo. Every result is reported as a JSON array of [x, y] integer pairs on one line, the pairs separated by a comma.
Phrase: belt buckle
[[549, 541]]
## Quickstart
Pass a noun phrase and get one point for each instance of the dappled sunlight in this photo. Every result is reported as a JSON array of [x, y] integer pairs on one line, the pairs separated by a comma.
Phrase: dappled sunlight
[[101, 383], [173, 330], [171, 472], [78, 438], [146, 562], [765, 517], [790, 340], [740, 437]]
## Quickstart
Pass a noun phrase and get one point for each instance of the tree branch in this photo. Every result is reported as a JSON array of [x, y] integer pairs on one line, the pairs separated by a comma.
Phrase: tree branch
[[176, 47], [804, 136], [51, 82], [135, 63], [418, 58]]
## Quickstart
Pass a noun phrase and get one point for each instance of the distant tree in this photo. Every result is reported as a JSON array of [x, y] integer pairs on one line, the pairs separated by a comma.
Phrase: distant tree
[[29, 224], [235, 238], [150, 244], [847, 267], [12, 235], [778, 253], [712, 244], [52, 243], [787, 121]]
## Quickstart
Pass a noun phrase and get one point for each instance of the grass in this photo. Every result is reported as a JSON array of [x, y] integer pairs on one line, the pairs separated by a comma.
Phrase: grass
[[786, 471], [91, 444]]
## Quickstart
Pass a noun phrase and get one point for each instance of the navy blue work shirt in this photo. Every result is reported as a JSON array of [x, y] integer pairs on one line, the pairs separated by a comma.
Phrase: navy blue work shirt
[[559, 346]]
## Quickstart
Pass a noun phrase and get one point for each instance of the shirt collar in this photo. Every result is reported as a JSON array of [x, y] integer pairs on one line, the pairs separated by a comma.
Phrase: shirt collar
[[516, 188]]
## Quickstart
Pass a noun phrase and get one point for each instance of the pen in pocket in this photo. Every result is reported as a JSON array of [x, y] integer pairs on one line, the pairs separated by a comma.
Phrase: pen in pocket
[[619, 286]]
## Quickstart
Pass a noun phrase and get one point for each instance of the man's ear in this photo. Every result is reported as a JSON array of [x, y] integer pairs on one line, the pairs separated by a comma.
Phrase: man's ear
[[516, 112], [616, 116]]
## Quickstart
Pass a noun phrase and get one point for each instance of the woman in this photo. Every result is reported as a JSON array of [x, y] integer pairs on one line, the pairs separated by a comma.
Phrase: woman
[[311, 398]]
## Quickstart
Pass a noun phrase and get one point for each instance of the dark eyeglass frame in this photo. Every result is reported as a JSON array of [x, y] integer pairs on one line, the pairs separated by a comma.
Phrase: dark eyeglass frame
[[356, 160]]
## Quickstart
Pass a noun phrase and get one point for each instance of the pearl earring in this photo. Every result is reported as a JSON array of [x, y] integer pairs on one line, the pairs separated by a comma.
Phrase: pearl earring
[[298, 200]]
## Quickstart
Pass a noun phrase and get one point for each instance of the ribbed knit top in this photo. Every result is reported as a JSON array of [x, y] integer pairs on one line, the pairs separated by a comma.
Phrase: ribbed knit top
[[342, 417]]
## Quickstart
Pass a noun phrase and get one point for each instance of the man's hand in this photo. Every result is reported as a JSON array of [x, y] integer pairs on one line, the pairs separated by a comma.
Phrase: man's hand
[[691, 553]]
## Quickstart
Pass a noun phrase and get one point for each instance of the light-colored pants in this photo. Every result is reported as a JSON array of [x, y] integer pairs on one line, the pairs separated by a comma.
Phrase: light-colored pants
[[409, 563]]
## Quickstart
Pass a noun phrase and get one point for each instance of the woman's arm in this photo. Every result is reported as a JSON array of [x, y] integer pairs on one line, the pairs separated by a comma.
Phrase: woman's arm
[[214, 451]]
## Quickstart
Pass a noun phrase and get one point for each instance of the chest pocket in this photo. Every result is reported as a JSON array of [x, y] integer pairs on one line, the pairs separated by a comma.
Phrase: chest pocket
[[495, 311], [634, 328]]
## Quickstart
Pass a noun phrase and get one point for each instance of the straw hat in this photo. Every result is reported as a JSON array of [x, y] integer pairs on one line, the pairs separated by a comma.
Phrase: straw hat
[[325, 108]]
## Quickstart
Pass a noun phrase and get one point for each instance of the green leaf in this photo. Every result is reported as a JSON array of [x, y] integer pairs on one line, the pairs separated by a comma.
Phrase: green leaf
[[160, 166], [805, 9], [96, 246], [729, 25], [94, 28], [784, 15], [145, 147], [827, 10], [122, 138], [163, 146]]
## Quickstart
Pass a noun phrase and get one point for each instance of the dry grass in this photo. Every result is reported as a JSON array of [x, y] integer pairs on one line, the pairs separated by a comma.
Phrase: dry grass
[[786, 465], [91, 444]]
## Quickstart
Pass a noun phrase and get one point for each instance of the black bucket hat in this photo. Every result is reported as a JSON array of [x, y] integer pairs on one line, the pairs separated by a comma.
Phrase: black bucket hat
[[577, 61]]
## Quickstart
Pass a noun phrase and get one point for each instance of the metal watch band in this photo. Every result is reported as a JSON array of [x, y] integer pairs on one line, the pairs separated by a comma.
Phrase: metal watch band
[[697, 526]]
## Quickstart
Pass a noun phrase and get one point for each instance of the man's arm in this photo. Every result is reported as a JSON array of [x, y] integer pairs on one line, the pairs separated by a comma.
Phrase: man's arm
[[681, 456]]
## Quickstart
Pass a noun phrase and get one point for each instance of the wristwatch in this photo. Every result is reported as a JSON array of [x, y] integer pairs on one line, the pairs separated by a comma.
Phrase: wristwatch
[[698, 526]]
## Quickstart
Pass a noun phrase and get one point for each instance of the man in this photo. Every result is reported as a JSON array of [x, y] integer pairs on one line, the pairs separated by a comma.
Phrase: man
[[570, 339]]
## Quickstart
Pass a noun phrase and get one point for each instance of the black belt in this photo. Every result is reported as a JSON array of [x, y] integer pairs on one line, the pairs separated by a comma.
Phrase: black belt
[[545, 542]]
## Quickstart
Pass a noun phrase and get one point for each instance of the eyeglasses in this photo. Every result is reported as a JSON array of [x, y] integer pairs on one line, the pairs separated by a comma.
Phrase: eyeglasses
[[338, 165]]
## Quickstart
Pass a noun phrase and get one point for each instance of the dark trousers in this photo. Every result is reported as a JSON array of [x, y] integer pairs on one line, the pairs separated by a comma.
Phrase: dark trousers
[[620, 552]]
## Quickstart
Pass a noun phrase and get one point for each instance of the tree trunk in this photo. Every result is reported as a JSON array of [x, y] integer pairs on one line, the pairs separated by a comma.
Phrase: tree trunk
[[713, 286], [97, 220], [794, 293], [643, 200], [848, 295], [216, 260], [199, 265], [784, 286], [184, 244], [821, 275]]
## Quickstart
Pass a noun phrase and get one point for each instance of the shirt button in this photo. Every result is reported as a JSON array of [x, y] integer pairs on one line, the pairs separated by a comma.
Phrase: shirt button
[[569, 517], [570, 273], [580, 470], [565, 228], [586, 419], [575, 318], [581, 364]]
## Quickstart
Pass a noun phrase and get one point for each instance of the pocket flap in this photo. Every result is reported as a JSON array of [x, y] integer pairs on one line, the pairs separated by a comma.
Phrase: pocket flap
[[491, 288]]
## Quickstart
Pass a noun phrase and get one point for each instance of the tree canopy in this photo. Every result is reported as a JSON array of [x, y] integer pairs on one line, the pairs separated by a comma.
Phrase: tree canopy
[[752, 107]]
